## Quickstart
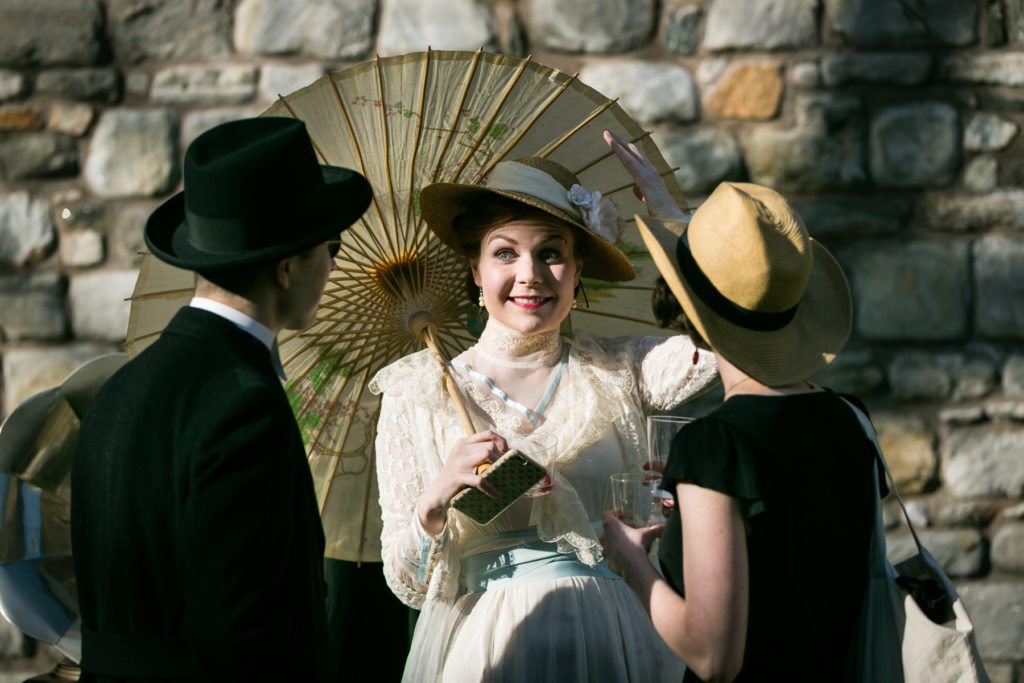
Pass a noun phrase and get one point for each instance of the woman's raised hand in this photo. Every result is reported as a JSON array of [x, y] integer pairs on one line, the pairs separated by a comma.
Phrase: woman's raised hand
[[625, 548], [458, 473], [648, 187]]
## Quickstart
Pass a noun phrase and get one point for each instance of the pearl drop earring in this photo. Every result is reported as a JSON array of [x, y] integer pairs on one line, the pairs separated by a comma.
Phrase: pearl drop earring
[[480, 301]]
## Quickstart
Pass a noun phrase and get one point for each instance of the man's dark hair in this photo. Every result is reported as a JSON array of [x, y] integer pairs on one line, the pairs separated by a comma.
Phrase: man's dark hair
[[243, 280]]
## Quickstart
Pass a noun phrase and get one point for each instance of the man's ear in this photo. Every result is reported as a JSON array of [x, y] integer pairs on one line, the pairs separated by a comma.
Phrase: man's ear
[[283, 272]]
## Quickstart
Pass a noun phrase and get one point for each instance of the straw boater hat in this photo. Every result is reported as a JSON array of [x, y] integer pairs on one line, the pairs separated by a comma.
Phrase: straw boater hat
[[254, 192], [545, 185], [754, 284]]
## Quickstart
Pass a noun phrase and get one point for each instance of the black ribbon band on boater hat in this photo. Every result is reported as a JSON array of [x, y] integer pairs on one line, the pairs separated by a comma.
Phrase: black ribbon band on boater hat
[[759, 321]]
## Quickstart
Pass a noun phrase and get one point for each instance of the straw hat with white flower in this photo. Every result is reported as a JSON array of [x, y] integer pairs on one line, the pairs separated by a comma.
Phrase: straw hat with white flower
[[545, 185]]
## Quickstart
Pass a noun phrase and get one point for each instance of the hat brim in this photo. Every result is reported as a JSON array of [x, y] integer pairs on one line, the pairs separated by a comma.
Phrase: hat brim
[[817, 333], [343, 198], [442, 203]]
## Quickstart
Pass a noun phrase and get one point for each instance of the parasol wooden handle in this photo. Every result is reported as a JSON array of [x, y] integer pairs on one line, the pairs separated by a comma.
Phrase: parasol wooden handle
[[423, 326]]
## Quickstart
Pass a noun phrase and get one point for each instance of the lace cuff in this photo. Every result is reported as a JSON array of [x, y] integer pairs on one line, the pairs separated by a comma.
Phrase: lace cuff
[[409, 553]]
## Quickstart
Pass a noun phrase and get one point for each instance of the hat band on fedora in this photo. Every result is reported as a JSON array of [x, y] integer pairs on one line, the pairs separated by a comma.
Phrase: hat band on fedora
[[511, 176], [759, 321]]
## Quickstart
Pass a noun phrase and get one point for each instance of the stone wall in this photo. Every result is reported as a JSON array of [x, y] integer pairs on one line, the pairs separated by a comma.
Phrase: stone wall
[[893, 125]]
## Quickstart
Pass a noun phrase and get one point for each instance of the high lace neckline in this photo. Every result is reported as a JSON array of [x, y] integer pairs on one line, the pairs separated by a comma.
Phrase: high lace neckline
[[502, 345]]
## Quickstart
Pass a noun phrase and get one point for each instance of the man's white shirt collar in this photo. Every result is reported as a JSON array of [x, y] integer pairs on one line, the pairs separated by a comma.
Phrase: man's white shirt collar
[[239, 319]]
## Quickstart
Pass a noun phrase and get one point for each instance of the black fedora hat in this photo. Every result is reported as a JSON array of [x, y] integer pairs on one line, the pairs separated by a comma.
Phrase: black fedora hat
[[254, 192]]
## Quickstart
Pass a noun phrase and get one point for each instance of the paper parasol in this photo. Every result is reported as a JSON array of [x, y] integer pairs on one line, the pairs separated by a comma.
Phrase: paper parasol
[[405, 122], [37, 442]]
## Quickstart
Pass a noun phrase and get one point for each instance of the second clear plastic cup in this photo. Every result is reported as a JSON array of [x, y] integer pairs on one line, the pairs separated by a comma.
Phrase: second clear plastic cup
[[633, 495]]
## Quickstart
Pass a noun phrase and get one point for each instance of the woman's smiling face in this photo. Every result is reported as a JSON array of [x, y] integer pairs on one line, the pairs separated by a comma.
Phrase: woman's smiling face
[[528, 272]]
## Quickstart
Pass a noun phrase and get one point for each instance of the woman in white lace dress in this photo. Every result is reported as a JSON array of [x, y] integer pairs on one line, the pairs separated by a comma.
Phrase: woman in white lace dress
[[527, 597]]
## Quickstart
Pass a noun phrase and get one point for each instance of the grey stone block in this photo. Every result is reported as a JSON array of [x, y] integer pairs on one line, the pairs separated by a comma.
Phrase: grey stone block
[[741, 24], [994, 22], [1000, 672], [843, 216], [95, 85], [682, 23], [918, 376], [962, 415], [136, 83], [1012, 411], [917, 290], [415, 25], [878, 23], [81, 248], [705, 157], [1008, 548], [99, 303], [915, 145], [960, 552], [649, 91], [124, 235], [26, 229], [997, 610], [71, 118], [133, 153], [959, 213], [988, 133], [972, 376], [195, 123], [982, 461], [999, 287], [330, 29], [595, 26], [32, 306], [205, 84], [993, 68], [805, 75], [13, 85], [284, 79], [169, 29], [896, 68], [1013, 376], [28, 371], [50, 32], [39, 154], [971, 514], [825, 150], [78, 215], [852, 372], [909, 450], [981, 174]]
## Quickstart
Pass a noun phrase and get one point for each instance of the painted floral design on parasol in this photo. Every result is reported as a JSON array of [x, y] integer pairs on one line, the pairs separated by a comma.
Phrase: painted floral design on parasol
[[405, 122]]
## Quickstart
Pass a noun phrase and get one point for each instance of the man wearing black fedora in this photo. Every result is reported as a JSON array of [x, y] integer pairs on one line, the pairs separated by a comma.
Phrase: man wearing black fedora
[[197, 542]]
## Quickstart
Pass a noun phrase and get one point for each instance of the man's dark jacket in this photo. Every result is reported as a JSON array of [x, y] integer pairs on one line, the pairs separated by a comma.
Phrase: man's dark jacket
[[197, 543]]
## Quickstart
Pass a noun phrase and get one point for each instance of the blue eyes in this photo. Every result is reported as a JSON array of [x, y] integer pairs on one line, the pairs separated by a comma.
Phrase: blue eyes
[[546, 255]]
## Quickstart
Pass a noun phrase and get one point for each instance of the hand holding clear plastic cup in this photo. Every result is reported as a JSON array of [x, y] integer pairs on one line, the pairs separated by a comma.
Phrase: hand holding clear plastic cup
[[633, 497], [661, 430]]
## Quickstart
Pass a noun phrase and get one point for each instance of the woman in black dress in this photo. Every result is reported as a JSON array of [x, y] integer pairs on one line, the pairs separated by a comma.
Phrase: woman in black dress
[[773, 489]]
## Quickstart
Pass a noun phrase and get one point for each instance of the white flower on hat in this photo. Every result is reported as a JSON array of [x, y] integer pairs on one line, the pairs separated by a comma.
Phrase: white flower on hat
[[598, 213]]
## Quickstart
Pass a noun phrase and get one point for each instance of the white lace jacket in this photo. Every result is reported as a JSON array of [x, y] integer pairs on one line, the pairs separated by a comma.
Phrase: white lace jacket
[[606, 383]]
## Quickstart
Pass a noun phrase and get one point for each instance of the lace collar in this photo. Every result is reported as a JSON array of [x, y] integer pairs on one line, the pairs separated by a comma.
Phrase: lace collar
[[502, 345]]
